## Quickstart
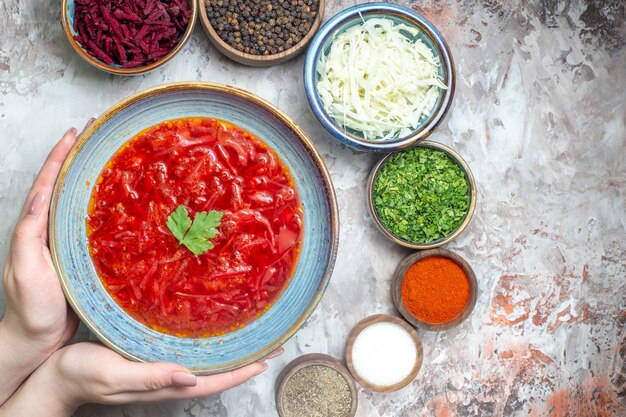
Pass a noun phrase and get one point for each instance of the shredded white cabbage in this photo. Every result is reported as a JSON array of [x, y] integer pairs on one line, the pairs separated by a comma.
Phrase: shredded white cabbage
[[377, 81]]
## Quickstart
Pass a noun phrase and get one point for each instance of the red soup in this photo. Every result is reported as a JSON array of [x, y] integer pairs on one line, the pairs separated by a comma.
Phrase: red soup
[[202, 165]]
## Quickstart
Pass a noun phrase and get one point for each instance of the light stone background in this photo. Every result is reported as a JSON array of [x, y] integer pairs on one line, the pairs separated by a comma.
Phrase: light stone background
[[539, 114]]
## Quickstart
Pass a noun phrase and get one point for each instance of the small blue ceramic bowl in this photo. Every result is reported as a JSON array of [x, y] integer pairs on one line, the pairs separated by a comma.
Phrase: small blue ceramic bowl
[[344, 20], [68, 235]]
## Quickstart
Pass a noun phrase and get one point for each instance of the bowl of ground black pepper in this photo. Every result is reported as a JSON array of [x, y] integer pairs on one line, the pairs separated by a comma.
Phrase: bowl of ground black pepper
[[316, 385], [261, 32]]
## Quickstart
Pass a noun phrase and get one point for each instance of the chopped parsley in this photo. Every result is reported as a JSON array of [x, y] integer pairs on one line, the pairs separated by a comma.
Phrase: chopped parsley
[[421, 195]]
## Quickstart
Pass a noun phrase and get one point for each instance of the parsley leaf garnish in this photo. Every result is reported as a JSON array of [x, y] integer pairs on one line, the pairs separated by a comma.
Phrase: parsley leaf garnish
[[194, 235]]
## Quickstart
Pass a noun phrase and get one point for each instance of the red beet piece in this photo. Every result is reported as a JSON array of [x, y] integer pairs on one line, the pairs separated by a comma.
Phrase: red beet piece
[[121, 52], [126, 15], [149, 6], [129, 33], [99, 53]]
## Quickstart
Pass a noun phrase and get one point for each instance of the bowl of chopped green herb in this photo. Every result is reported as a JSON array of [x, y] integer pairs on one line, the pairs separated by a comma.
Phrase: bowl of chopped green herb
[[423, 197]]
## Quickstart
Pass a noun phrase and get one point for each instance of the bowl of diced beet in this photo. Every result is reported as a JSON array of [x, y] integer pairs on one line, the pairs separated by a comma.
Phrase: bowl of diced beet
[[128, 37]]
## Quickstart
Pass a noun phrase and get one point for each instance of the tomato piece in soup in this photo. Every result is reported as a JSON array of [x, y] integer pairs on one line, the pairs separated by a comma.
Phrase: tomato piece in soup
[[202, 164]]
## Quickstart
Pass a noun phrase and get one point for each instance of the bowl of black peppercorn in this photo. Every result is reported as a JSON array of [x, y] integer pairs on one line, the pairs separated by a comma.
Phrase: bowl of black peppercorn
[[261, 32]]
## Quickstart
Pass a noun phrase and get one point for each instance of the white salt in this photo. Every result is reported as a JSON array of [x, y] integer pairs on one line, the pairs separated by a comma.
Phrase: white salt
[[383, 354]]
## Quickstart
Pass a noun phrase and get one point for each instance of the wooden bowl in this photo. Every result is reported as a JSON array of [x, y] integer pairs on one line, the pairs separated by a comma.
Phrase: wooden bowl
[[308, 360], [67, 20], [396, 289], [383, 318], [259, 60]]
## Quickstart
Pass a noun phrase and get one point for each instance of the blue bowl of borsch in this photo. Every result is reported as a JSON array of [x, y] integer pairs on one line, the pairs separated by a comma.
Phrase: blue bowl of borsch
[[194, 223]]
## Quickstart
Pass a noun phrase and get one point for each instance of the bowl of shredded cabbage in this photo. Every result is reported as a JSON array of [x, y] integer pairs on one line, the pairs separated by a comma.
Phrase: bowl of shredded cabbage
[[379, 77]]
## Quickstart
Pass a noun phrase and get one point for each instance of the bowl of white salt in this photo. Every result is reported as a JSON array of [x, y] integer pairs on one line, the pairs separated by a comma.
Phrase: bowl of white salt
[[383, 353]]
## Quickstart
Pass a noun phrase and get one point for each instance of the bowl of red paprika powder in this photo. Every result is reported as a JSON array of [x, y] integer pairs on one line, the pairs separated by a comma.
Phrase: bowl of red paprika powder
[[434, 289]]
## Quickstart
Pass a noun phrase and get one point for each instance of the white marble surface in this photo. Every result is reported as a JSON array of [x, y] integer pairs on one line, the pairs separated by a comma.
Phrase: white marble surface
[[539, 114]]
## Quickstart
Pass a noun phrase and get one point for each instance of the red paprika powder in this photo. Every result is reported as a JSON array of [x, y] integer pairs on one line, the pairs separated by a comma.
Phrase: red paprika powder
[[435, 289]]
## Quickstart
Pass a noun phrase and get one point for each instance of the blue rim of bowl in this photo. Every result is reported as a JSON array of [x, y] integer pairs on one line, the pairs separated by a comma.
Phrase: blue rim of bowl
[[328, 30], [450, 236], [162, 89], [67, 22]]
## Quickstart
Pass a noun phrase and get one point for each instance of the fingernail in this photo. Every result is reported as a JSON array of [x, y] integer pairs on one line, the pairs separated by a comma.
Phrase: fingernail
[[71, 132], [263, 368], [89, 123], [184, 379], [87, 126], [275, 353], [36, 204]]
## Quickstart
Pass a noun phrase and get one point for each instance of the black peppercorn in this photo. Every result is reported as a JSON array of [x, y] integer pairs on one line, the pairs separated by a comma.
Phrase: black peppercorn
[[262, 27]]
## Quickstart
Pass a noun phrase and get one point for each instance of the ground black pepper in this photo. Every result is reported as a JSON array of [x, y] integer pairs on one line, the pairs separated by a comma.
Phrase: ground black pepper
[[316, 391], [262, 27]]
